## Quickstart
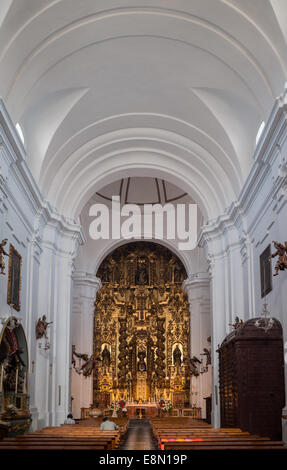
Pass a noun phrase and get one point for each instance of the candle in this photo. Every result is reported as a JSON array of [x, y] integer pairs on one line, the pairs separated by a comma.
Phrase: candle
[[1, 380], [24, 383], [16, 381]]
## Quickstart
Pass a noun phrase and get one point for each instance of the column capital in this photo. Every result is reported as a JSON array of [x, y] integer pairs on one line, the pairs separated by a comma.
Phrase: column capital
[[196, 280], [82, 278]]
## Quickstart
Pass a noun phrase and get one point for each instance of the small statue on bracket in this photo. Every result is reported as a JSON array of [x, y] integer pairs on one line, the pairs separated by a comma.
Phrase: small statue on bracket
[[237, 323], [87, 368], [193, 365], [41, 327], [281, 252], [207, 353], [2, 253]]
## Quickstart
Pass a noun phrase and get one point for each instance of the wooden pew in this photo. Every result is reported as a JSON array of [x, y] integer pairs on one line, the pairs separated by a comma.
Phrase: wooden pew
[[192, 435], [65, 437]]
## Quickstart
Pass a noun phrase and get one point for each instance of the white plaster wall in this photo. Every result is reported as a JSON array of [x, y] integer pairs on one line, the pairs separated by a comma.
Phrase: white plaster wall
[[19, 204], [197, 287], [236, 239], [48, 244], [85, 287]]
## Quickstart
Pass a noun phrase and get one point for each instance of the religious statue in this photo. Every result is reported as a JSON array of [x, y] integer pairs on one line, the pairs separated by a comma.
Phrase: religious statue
[[207, 353], [177, 356], [281, 251], [2, 253], [141, 273], [41, 327], [141, 362], [177, 273], [87, 368], [106, 357], [237, 323], [11, 360], [193, 365], [106, 273]]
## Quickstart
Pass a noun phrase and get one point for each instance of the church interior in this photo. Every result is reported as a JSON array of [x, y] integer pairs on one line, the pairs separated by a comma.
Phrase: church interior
[[120, 106]]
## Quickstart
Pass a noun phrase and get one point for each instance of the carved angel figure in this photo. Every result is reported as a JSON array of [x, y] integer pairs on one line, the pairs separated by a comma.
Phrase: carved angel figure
[[237, 323], [207, 353], [87, 368], [41, 327], [281, 251], [193, 365]]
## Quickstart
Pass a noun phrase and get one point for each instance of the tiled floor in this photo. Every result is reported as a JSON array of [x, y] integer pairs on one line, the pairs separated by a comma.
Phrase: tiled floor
[[139, 436]]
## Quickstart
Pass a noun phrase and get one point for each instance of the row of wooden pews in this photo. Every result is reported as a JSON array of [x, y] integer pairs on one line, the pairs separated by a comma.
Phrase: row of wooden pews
[[189, 434], [82, 436]]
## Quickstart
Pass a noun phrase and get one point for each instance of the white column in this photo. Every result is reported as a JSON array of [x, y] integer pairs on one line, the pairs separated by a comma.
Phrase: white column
[[60, 242], [283, 320], [197, 288], [224, 255], [33, 265], [85, 288]]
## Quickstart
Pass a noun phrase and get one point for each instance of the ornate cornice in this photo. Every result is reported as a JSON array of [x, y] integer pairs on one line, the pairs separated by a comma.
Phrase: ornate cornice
[[81, 278], [196, 280]]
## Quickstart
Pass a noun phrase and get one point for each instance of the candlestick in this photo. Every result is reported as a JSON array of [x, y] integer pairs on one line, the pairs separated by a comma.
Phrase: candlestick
[[16, 384], [1, 380], [2, 389], [24, 383]]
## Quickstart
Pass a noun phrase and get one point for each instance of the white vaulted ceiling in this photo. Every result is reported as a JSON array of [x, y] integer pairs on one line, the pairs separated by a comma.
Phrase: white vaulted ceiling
[[107, 89]]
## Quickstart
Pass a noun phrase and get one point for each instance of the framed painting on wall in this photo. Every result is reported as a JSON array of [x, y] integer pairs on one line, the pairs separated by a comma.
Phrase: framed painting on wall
[[14, 278], [266, 271]]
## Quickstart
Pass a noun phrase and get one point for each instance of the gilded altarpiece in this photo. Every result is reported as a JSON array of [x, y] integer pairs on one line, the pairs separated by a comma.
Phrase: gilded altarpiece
[[141, 327]]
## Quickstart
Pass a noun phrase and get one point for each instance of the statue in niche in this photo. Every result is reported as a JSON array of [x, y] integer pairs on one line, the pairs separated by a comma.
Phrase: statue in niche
[[177, 273], [11, 360], [281, 251], [106, 272], [141, 362], [117, 274], [141, 277], [106, 357], [177, 356], [2, 253]]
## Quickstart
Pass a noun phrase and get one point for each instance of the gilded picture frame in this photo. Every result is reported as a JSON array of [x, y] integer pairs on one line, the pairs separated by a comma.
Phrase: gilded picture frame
[[14, 278]]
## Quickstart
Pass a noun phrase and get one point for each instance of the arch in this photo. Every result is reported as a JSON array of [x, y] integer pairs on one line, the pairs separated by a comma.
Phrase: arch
[[114, 244]]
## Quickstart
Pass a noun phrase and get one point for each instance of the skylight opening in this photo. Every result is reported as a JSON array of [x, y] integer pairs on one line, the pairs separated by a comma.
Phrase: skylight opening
[[260, 130], [20, 132]]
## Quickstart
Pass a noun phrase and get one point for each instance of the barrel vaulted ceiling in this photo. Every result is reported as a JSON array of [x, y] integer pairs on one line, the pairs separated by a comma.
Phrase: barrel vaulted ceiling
[[110, 89]]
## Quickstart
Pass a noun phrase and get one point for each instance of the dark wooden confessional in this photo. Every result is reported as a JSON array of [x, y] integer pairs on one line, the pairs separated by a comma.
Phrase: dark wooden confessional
[[251, 375]]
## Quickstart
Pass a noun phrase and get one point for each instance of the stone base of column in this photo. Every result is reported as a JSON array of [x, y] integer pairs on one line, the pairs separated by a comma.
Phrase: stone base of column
[[35, 417]]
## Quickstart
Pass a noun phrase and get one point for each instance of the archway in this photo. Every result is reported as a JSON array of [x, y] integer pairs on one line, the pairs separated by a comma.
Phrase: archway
[[14, 360], [141, 327]]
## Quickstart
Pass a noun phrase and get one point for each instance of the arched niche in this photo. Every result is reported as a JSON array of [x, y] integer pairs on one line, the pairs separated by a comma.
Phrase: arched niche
[[142, 311], [14, 380]]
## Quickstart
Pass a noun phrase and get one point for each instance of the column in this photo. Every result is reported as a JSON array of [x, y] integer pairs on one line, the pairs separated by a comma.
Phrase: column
[[197, 288], [59, 245], [223, 249], [85, 288]]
